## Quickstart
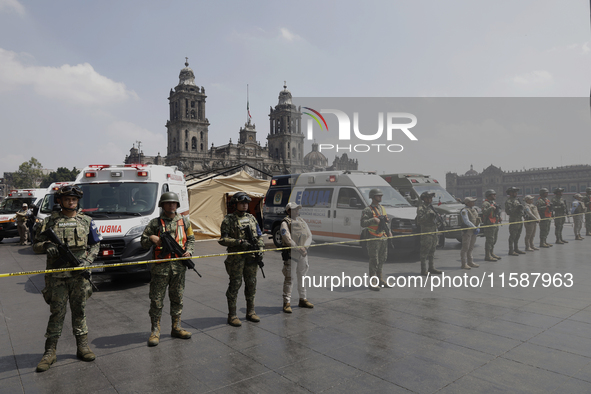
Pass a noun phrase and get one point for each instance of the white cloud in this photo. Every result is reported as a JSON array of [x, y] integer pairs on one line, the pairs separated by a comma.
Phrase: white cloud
[[287, 35], [12, 5], [535, 77], [75, 84]]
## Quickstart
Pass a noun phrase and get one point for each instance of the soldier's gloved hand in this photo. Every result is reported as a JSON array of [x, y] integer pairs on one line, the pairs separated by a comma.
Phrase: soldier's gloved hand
[[245, 244], [51, 250]]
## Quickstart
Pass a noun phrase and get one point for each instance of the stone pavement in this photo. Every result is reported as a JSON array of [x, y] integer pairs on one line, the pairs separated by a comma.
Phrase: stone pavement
[[449, 340]]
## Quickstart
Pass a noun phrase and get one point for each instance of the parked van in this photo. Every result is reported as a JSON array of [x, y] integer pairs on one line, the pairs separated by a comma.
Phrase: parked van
[[413, 185], [14, 202], [122, 199], [48, 203], [332, 203], [276, 199]]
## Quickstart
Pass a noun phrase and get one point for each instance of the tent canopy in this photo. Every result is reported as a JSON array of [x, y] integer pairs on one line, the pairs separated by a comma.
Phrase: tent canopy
[[208, 200]]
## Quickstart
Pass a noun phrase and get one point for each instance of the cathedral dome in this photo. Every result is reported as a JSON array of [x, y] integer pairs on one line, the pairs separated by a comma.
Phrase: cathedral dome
[[315, 158], [285, 96], [187, 77], [471, 171]]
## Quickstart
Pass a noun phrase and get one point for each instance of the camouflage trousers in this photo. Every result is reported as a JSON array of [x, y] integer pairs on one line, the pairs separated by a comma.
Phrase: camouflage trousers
[[588, 222], [56, 293], [163, 276], [490, 234], [558, 225], [514, 234], [544, 229], [237, 268], [428, 245], [378, 253], [302, 266]]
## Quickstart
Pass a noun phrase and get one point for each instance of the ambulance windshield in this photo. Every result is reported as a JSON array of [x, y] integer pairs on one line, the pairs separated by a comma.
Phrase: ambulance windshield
[[391, 197], [441, 195], [118, 198]]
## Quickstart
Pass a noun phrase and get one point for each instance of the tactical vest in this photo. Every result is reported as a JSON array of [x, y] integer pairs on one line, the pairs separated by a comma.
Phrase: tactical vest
[[491, 218], [472, 216], [297, 230], [373, 229], [546, 211], [180, 238]]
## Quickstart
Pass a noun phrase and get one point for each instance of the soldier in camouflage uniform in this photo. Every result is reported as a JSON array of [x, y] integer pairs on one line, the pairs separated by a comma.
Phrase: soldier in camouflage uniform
[[169, 274], [514, 209], [426, 219], [81, 235], [233, 236], [491, 217], [545, 210], [560, 211], [377, 248], [587, 202]]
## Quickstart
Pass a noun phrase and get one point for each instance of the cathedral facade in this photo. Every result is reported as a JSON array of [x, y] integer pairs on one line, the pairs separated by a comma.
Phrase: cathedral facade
[[188, 129]]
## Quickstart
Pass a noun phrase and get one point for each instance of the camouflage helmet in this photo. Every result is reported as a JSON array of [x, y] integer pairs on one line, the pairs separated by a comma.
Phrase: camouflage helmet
[[544, 190], [169, 197], [489, 192], [425, 195], [512, 189], [558, 190], [240, 197], [375, 192], [69, 190]]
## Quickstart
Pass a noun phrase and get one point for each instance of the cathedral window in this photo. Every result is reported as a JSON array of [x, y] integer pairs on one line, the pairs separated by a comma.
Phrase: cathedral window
[[186, 134], [174, 144], [288, 156], [194, 143], [293, 153], [186, 146], [193, 114], [202, 147], [201, 135], [192, 104]]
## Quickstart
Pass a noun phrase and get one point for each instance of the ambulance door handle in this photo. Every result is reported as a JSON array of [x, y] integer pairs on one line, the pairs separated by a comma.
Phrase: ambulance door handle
[[335, 214], [329, 213]]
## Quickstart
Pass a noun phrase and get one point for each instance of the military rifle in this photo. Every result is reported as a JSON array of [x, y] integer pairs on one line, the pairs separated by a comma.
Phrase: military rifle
[[67, 258], [258, 259], [383, 226], [170, 246], [438, 219]]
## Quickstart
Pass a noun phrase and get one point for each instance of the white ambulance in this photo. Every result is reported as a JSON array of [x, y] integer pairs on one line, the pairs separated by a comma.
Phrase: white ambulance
[[48, 204], [14, 202], [122, 199], [332, 203]]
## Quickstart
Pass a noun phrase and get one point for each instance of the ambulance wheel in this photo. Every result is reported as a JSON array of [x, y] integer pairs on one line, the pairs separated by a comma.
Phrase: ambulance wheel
[[276, 235], [1, 238]]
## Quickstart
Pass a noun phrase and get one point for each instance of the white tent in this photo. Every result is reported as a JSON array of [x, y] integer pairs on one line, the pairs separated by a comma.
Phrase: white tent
[[208, 200]]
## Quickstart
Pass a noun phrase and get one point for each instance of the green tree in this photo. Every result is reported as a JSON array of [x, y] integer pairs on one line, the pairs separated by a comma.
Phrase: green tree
[[62, 174], [29, 174]]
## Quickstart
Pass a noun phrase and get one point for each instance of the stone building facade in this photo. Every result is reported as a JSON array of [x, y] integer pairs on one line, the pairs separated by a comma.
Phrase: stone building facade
[[188, 132], [574, 179]]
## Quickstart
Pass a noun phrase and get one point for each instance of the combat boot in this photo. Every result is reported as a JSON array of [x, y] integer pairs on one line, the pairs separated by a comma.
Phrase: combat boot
[[473, 264], [250, 313], [563, 241], [49, 357], [177, 330], [516, 250], [83, 352], [558, 241], [154, 339], [492, 254], [488, 257], [232, 318], [465, 267], [304, 303], [432, 269], [287, 307], [423, 268], [511, 251]]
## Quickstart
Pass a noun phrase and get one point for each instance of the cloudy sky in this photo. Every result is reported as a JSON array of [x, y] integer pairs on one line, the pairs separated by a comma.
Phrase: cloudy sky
[[81, 81]]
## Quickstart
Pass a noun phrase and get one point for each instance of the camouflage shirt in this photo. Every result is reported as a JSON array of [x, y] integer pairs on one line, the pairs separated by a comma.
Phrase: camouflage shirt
[[587, 202], [558, 205], [79, 233], [514, 209], [233, 230], [426, 218], [489, 210]]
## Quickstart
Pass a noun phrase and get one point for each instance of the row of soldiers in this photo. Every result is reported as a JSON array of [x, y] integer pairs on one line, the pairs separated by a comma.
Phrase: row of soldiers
[[521, 214]]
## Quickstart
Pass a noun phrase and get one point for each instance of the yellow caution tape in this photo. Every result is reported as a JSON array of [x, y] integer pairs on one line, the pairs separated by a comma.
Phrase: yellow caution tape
[[263, 250]]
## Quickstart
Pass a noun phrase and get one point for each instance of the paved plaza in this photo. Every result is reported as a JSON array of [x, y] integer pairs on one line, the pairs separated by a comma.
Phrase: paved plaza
[[475, 335]]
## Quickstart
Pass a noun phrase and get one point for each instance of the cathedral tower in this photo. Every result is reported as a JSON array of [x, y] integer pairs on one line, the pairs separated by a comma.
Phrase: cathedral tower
[[188, 127]]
